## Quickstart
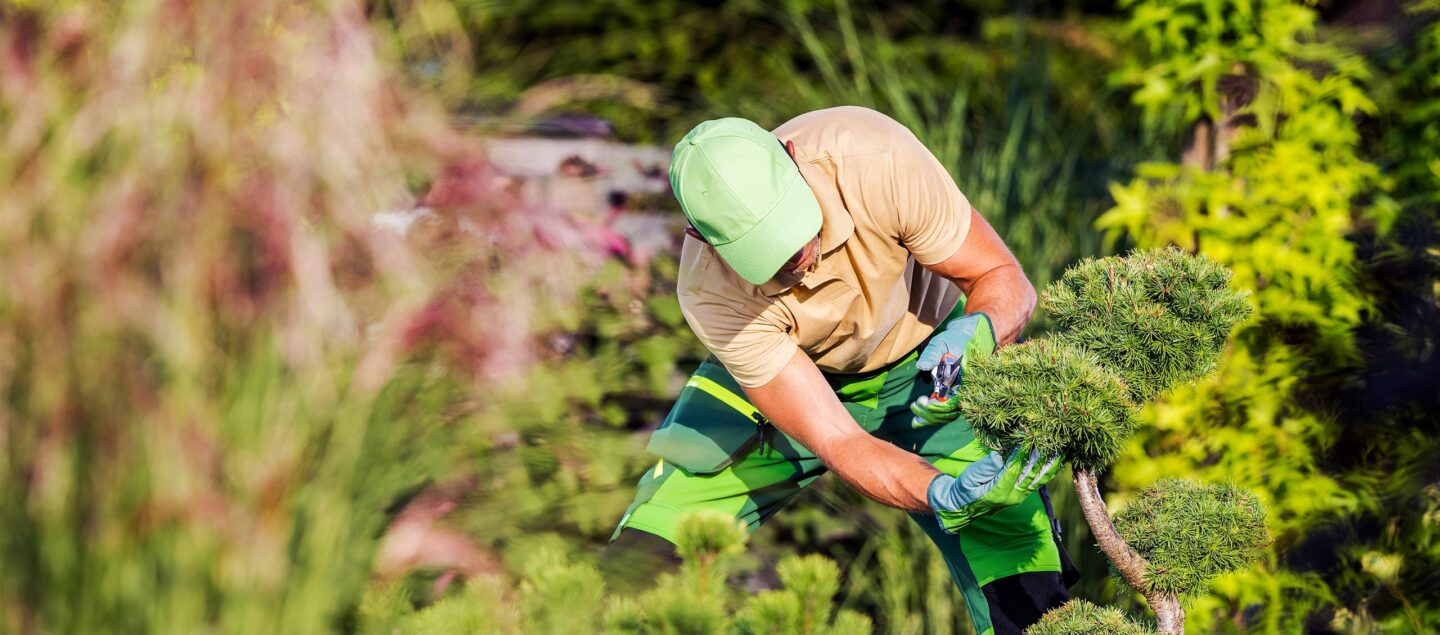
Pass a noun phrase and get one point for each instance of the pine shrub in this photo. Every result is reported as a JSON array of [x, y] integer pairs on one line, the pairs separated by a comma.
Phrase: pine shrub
[[1051, 396], [704, 536], [481, 606], [559, 594], [1157, 317], [804, 604], [626, 616], [1078, 617], [1191, 532]]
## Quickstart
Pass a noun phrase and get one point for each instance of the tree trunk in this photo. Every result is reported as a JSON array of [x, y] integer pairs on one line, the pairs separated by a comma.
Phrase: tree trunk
[[1169, 615], [1210, 140]]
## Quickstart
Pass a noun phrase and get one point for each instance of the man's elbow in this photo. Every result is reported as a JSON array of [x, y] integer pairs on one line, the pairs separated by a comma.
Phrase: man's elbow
[[1011, 280], [1028, 298]]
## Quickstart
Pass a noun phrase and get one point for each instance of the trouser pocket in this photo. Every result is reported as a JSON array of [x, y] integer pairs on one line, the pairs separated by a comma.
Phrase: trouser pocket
[[711, 425]]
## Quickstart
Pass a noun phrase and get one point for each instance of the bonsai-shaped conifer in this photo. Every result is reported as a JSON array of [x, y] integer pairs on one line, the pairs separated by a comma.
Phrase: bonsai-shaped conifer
[[1128, 329], [1158, 317]]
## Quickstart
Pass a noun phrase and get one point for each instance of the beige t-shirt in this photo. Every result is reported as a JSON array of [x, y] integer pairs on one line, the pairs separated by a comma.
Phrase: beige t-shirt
[[887, 204]]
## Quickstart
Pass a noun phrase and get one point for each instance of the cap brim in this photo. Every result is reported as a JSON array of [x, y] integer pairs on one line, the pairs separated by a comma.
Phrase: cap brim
[[760, 253]]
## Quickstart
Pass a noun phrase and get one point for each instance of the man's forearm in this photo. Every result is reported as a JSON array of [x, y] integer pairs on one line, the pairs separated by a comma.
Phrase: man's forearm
[[882, 472], [801, 404], [1006, 295]]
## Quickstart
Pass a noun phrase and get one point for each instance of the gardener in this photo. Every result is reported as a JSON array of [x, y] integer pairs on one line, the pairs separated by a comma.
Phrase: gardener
[[829, 265]]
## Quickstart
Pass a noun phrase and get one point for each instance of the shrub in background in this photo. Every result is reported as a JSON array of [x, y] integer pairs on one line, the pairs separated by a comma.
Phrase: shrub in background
[[560, 597], [1312, 178]]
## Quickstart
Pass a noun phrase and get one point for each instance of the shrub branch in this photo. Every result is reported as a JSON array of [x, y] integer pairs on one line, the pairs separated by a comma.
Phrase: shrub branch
[[1169, 614]]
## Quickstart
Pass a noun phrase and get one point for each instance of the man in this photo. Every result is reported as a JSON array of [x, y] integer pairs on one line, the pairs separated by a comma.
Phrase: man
[[830, 265]]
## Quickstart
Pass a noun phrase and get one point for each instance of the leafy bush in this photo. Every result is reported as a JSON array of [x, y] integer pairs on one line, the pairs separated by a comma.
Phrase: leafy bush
[[1050, 396], [1281, 191], [1191, 532]]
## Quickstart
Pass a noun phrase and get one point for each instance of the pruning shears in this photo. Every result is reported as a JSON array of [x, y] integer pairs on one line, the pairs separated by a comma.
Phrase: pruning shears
[[944, 375]]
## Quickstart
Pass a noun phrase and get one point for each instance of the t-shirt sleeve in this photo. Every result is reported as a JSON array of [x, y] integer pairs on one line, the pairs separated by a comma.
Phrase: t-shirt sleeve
[[749, 341], [932, 216]]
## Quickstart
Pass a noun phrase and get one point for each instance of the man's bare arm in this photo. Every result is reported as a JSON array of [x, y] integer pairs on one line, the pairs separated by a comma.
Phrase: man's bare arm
[[801, 404], [992, 280]]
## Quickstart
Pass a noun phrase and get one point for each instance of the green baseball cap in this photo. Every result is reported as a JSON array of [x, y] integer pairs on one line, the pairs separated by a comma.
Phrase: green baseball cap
[[743, 193]]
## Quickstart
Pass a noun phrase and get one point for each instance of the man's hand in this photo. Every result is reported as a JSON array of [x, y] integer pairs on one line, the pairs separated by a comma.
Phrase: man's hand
[[988, 485], [965, 337], [934, 413]]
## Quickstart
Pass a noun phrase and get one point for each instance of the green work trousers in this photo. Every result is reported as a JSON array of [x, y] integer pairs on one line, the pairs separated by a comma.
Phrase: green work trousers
[[717, 453]]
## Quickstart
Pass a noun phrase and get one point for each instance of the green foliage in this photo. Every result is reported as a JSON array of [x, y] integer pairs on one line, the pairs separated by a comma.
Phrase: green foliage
[[1190, 532], [1050, 396], [1157, 318], [1014, 102], [1079, 617], [557, 595], [1286, 244], [805, 603], [705, 536], [1027, 157], [1384, 577], [1186, 48], [1128, 328], [697, 598], [1286, 188], [482, 606], [215, 385]]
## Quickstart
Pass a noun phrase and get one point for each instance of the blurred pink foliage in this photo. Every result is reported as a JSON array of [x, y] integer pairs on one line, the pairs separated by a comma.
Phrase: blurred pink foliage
[[200, 315]]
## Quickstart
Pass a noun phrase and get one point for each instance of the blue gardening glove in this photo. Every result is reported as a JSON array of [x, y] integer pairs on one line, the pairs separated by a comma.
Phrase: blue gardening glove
[[987, 486], [966, 337]]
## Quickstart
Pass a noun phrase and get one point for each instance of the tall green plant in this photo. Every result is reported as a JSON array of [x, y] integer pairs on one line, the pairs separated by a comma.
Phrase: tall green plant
[[994, 113], [218, 375]]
